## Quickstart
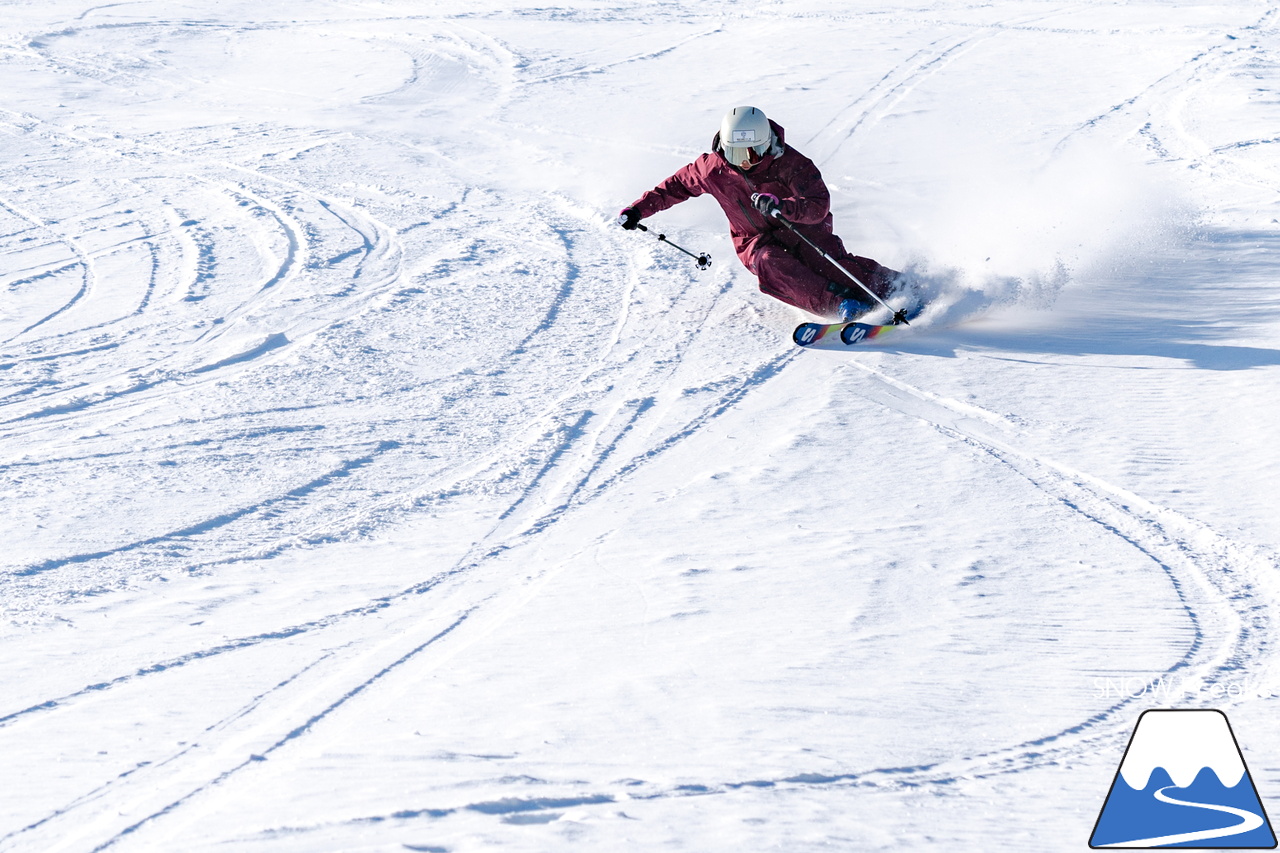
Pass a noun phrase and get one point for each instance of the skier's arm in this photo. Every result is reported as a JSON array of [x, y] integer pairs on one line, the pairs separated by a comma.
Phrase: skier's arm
[[809, 201], [682, 186]]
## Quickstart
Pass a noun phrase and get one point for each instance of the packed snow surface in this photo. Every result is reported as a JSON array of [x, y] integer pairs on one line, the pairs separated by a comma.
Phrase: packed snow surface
[[365, 487]]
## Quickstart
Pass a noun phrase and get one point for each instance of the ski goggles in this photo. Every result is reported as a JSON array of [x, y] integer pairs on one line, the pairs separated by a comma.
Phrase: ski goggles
[[746, 155], [740, 152]]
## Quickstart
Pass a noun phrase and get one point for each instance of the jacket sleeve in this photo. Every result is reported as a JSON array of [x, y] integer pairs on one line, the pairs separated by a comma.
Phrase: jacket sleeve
[[682, 186], [809, 201]]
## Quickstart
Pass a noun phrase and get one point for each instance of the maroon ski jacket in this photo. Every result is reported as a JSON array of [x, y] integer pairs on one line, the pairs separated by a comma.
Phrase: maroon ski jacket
[[790, 176]]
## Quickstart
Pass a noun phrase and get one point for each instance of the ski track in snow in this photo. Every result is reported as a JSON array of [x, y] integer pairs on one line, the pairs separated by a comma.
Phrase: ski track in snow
[[215, 304], [898, 83], [1225, 587], [545, 509]]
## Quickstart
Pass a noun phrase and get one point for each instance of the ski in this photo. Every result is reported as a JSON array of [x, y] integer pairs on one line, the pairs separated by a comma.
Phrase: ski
[[838, 335]]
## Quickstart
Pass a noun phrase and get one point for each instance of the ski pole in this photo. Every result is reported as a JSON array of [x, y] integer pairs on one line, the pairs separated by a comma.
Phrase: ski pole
[[704, 260], [899, 316]]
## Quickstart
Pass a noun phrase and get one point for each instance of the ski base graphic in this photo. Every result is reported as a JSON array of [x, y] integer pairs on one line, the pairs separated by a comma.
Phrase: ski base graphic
[[838, 335]]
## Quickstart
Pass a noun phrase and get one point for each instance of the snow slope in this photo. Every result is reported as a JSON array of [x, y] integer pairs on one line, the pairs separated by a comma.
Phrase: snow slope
[[366, 488]]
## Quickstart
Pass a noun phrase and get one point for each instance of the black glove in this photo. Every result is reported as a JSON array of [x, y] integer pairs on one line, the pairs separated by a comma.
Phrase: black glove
[[629, 218], [766, 203]]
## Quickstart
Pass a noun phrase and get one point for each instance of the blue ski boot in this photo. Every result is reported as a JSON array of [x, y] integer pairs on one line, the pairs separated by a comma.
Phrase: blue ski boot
[[851, 309]]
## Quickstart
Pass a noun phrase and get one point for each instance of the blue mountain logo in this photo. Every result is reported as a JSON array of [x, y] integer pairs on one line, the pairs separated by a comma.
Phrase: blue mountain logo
[[1183, 783]]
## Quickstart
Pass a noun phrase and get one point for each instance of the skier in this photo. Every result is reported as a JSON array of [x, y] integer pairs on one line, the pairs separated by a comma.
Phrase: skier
[[752, 173]]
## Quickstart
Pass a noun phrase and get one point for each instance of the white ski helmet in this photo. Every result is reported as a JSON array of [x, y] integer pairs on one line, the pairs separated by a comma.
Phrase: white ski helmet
[[745, 136]]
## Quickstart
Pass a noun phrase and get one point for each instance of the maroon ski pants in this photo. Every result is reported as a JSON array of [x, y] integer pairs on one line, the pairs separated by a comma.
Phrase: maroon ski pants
[[799, 276]]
